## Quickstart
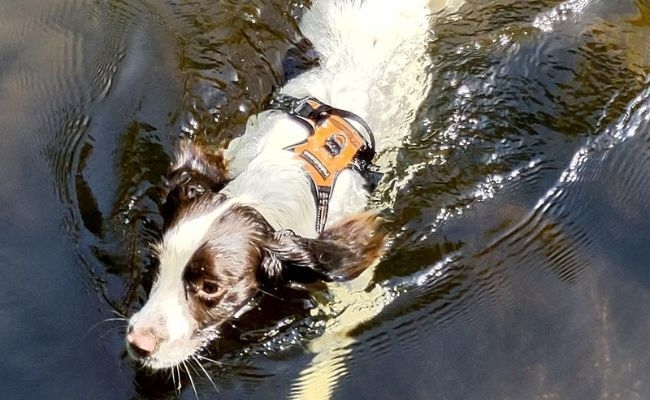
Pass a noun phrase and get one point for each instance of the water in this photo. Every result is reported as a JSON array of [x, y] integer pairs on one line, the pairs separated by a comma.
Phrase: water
[[519, 267]]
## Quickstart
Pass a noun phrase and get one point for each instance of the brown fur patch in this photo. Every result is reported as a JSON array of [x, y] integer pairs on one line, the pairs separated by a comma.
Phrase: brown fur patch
[[222, 274], [362, 239], [340, 253], [197, 171]]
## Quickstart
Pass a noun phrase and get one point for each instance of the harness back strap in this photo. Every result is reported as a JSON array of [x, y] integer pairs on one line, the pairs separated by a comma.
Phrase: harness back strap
[[334, 144]]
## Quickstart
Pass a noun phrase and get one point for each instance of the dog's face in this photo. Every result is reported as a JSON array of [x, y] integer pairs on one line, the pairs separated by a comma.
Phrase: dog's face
[[214, 255], [208, 266]]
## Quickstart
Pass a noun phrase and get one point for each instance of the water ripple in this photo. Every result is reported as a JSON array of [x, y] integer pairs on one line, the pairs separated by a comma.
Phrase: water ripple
[[524, 178]]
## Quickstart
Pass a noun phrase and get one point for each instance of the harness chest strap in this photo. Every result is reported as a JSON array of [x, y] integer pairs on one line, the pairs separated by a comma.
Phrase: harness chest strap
[[333, 145]]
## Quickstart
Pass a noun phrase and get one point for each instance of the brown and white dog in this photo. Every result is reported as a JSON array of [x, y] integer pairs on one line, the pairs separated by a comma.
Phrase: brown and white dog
[[291, 204]]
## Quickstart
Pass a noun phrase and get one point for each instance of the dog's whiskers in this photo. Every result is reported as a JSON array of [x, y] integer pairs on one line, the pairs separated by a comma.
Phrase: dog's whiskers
[[177, 384], [189, 375], [215, 362], [270, 294], [119, 314], [109, 331], [171, 375], [107, 320], [207, 375]]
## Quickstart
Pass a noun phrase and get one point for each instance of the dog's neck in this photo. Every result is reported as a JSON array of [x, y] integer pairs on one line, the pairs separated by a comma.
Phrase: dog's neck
[[271, 179]]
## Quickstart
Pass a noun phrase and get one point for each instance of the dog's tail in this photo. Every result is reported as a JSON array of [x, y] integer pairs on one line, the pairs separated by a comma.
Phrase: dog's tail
[[373, 57]]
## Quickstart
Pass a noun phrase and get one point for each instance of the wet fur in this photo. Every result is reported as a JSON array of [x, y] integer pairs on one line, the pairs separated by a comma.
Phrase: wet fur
[[241, 218]]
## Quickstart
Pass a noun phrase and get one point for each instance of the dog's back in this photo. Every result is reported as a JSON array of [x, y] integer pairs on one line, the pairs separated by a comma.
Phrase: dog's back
[[373, 61]]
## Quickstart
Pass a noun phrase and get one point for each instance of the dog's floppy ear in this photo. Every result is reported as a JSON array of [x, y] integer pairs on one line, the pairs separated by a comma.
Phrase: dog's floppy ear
[[340, 253], [196, 165], [195, 171]]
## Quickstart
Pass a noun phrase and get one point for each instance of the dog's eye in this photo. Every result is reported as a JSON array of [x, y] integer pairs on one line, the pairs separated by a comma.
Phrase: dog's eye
[[210, 287]]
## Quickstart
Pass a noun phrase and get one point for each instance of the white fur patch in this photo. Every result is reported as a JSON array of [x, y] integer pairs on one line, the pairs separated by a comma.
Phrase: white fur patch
[[275, 184], [182, 240]]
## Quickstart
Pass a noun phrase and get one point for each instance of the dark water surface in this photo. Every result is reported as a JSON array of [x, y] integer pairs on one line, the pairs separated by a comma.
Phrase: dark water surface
[[520, 268]]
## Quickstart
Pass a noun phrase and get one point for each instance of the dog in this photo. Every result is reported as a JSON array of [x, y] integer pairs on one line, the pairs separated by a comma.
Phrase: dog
[[287, 201]]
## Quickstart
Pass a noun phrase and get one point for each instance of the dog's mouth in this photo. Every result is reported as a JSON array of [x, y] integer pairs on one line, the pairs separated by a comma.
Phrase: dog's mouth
[[174, 341]]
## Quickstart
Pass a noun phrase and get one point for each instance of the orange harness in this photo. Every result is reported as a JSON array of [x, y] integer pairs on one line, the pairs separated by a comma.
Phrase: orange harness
[[334, 144]]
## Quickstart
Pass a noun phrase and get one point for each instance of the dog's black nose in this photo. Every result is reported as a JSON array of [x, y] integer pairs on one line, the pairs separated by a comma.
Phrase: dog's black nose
[[141, 343]]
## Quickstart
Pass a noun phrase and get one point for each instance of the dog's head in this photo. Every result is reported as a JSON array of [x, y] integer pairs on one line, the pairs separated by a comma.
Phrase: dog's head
[[216, 253]]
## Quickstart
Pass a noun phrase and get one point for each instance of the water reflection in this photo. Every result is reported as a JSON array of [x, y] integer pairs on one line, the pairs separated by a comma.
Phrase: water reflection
[[520, 204]]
